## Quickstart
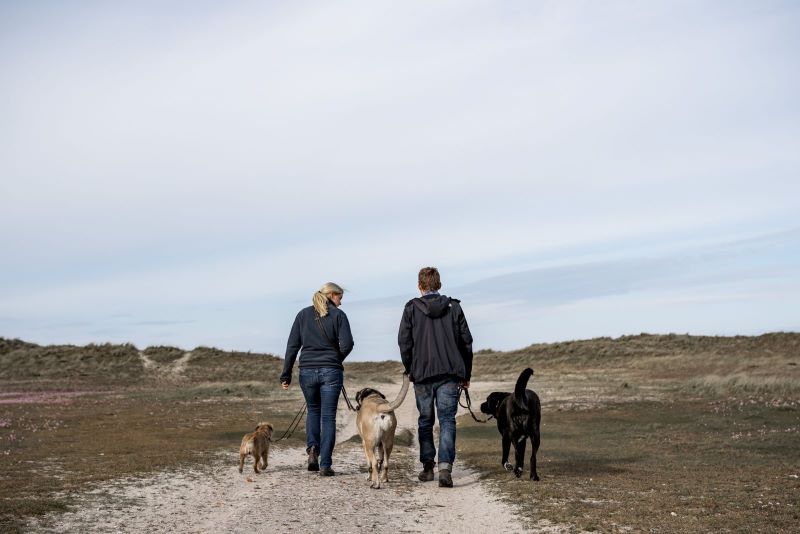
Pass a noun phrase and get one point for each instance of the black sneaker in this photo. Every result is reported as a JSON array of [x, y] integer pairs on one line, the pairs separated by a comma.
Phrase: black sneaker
[[326, 472], [313, 459], [426, 475], [445, 479]]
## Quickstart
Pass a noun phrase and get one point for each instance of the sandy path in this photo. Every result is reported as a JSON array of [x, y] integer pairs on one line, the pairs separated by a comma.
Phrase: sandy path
[[216, 498]]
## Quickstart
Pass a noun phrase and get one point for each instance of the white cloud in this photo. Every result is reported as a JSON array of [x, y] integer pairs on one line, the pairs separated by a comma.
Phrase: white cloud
[[201, 154]]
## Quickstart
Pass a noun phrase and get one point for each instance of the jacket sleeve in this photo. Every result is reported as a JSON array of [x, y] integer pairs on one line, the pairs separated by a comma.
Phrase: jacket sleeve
[[292, 348], [464, 339], [405, 340], [346, 342]]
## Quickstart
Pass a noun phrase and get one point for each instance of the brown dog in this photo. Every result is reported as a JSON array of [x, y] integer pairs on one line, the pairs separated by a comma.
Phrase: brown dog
[[257, 444], [376, 424]]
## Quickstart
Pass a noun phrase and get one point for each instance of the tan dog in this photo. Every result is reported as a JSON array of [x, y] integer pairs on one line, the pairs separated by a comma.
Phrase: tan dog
[[257, 444], [376, 424]]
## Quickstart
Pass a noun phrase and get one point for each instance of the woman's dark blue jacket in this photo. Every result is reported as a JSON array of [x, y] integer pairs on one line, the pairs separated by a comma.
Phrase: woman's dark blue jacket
[[317, 351]]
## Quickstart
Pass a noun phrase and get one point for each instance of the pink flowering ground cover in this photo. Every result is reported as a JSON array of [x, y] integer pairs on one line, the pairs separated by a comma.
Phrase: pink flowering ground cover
[[41, 397]]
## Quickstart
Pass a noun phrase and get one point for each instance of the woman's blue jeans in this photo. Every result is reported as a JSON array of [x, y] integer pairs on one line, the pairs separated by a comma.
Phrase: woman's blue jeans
[[443, 394], [321, 387]]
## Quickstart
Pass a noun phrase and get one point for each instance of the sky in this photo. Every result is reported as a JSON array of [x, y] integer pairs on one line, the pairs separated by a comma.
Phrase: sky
[[189, 174]]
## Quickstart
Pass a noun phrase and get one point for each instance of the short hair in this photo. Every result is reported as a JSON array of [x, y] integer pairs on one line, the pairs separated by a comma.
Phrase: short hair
[[429, 279]]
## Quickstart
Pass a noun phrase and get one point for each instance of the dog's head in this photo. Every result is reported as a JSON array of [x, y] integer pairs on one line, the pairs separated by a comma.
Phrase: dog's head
[[493, 402], [367, 392], [265, 428]]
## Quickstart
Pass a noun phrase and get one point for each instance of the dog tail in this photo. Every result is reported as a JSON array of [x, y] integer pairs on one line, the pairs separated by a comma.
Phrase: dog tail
[[392, 406], [519, 389]]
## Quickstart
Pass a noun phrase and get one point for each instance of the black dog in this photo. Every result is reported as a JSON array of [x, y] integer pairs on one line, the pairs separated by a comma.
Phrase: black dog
[[518, 417]]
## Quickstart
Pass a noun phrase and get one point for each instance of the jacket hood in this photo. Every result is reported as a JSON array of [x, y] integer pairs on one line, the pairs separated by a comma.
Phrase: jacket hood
[[433, 305]]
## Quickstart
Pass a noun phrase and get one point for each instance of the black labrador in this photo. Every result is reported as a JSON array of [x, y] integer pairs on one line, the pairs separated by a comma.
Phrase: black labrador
[[518, 417]]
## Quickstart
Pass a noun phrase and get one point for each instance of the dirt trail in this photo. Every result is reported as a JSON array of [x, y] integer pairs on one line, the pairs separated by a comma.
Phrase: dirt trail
[[174, 369], [216, 498]]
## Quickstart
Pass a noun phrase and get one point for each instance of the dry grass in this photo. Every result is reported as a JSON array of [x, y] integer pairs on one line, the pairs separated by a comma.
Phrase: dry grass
[[739, 383], [107, 364], [50, 450], [634, 428], [655, 433], [689, 466]]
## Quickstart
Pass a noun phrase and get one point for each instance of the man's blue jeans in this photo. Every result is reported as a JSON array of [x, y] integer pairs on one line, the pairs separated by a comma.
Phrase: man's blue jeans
[[443, 394], [321, 387]]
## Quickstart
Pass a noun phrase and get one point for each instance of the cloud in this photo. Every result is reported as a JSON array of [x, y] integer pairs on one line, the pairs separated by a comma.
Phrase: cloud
[[237, 155]]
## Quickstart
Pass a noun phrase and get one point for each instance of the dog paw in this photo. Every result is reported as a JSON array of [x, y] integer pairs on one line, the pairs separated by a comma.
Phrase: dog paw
[[518, 472], [508, 466], [535, 477]]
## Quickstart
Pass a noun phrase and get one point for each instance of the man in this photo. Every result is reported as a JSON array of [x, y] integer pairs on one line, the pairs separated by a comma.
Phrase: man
[[436, 349]]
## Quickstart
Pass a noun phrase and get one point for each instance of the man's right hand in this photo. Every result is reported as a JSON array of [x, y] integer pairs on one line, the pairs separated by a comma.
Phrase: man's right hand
[[285, 385]]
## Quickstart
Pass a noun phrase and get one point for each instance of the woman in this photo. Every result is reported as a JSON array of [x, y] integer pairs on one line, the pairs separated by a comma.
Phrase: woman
[[323, 333]]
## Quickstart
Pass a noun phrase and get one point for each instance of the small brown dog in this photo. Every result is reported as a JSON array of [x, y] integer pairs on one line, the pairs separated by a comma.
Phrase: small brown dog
[[257, 444]]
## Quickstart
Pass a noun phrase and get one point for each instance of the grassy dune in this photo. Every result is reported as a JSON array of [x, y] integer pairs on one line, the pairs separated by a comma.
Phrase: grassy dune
[[661, 433]]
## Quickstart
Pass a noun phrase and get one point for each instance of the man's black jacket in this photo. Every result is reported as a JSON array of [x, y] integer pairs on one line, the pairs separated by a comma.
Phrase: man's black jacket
[[434, 339]]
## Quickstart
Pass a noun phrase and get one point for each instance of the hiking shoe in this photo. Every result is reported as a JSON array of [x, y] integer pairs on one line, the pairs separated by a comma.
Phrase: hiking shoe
[[426, 475], [313, 459], [326, 472], [445, 479]]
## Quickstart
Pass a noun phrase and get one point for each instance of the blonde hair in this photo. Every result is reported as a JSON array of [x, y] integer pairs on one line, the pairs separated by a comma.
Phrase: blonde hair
[[320, 298]]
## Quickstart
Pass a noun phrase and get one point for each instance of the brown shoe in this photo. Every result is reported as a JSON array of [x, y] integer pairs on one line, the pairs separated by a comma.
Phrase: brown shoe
[[313, 459], [326, 472], [445, 478], [426, 475]]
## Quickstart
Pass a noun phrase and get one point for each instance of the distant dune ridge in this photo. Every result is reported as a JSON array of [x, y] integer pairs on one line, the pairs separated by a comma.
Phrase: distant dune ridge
[[707, 361]]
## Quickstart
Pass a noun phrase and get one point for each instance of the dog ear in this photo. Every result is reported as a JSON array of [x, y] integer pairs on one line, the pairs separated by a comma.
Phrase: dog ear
[[359, 393], [495, 400], [490, 406]]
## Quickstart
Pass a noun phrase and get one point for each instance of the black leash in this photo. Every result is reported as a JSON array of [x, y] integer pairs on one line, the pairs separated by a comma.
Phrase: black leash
[[293, 425], [468, 406], [347, 400]]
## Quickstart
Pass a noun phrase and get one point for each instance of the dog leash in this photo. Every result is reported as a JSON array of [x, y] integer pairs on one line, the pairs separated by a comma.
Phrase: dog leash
[[299, 417], [468, 406], [335, 347], [293, 425], [347, 400]]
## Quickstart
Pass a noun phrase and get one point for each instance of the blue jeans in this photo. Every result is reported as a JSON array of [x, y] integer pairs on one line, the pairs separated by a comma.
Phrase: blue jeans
[[321, 387], [443, 394]]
